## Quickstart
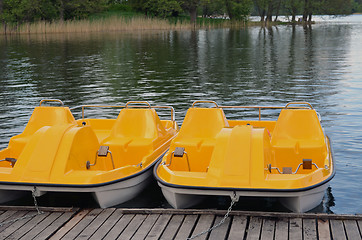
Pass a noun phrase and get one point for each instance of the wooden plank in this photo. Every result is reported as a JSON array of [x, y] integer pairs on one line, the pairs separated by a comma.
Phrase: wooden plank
[[9, 229], [295, 229], [204, 223], [242, 213], [351, 228], [82, 224], [33, 222], [43, 209], [281, 229], [41, 226], [254, 229], [132, 226], [119, 226], [268, 229], [159, 227], [324, 232], [172, 227], [221, 231], [12, 218], [55, 226], [6, 215], [360, 226], [70, 224], [186, 227], [337, 229], [146, 226], [309, 229], [238, 227], [96, 223], [107, 225]]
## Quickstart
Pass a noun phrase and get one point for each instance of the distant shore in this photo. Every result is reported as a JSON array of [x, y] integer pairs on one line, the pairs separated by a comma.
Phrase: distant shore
[[120, 23]]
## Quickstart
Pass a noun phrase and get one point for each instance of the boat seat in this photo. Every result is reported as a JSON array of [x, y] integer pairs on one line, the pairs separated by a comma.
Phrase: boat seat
[[41, 117], [134, 135], [197, 136], [298, 135]]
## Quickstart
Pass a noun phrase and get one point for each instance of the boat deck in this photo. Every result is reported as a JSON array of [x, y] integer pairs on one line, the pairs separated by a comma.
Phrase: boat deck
[[112, 223]]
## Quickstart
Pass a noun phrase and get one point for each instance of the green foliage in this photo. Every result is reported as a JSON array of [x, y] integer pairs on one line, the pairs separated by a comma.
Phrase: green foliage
[[80, 8], [238, 9], [357, 6], [18, 11], [213, 8], [293, 7], [162, 8]]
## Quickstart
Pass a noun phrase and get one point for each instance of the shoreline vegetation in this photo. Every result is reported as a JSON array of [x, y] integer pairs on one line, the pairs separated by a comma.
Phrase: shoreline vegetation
[[122, 23], [85, 16]]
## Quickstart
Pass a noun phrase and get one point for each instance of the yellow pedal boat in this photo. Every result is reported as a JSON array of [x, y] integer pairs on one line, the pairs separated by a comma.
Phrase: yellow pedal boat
[[289, 159], [110, 158]]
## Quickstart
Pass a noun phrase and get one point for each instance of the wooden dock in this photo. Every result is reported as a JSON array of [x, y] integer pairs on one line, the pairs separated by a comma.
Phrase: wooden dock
[[112, 223]]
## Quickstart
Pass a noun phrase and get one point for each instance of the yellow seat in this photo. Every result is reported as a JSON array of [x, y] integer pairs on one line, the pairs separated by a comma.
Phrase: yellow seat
[[197, 136], [134, 135], [298, 135], [41, 117]]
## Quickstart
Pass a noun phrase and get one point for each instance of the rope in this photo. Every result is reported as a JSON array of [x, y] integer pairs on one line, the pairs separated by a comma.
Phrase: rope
[[234, 199], [27, 216]]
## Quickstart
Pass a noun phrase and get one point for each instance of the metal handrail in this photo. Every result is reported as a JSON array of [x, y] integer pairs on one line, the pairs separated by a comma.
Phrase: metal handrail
[[51, 100], [120, 106], [266, 107], [132, 102], [205, 101], [256, 107], [299, 103]]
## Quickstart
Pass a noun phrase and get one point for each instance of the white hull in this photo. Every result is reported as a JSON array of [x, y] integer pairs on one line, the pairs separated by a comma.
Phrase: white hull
[[301, 201], [106, 195]]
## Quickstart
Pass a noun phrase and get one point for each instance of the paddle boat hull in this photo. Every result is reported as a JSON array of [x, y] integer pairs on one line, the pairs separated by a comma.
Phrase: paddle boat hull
[[299, 201], [289, 159], [110, 158]]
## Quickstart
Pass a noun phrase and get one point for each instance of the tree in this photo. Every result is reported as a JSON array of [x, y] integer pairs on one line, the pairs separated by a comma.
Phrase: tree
[[261, 6], [191, 7], [214, 7], [293, 7], [238, 9], [162, 8]]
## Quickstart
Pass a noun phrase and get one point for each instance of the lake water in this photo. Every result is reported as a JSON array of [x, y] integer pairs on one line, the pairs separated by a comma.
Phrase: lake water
[[320, 64]]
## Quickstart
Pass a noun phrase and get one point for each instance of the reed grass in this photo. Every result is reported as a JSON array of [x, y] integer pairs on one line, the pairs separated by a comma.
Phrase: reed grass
[[115, 23]]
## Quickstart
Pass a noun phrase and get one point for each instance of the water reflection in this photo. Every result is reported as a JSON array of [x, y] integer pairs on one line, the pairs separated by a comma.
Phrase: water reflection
[[265, 66]]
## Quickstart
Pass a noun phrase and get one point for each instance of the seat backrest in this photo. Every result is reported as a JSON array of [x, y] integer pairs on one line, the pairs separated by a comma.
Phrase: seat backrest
[[137, 123], [203, 123], [297, 124], [48, 116]]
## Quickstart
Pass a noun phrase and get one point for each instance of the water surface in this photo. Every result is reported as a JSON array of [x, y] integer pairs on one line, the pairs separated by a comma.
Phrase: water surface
[[320, 64]]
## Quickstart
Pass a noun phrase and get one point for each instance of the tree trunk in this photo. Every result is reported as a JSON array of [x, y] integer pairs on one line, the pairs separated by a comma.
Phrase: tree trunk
[[61, 11], [269, 14], [277, 10], [193, 14], [310, 18], [305, 11], [262, 16], [1, 12], [228, 9]]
